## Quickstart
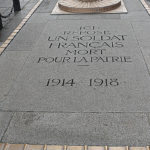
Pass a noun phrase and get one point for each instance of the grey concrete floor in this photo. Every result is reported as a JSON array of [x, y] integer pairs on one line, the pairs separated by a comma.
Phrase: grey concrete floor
[[33, 111]]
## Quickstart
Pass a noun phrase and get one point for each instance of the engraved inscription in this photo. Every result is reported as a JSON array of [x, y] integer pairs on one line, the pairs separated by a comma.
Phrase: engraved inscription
[[86, 45], [82, 47]]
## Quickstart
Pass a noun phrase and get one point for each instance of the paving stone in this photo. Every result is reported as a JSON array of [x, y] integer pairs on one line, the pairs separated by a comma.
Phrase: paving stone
[[35, 147], [79, 129], [142, 31], [75, 147], [141, 34], [148, 115], [5, 118], [96, 147], [146, 54], [56, 147], [41, 18], [10, 66], [67, 147], [143, 43], [134, 5], [143, 37], [26, 38], [30, 4], [9, 26], [119, 148], [136, 16], [40, 86], [13, 146], [46, 6], [15, 18], [112, 16], [139, 148], [89, 16]]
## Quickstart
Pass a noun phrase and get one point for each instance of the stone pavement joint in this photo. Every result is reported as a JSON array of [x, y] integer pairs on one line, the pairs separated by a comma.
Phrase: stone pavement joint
[[6, 146], [146, 6], [19, 27]]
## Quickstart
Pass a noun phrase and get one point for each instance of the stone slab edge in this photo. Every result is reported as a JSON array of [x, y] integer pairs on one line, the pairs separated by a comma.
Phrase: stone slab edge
[[146, 6], [19, 27], [6, 146]]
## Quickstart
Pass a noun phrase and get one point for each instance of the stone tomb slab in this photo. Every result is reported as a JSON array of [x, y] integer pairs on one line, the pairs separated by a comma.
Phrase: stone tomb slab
[[83, 67]]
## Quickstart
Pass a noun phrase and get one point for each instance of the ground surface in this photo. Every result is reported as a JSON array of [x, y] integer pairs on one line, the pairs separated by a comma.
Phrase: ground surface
[[12, 22], [78, 79]]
